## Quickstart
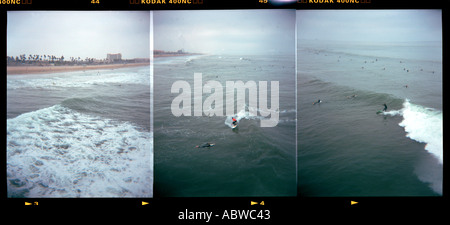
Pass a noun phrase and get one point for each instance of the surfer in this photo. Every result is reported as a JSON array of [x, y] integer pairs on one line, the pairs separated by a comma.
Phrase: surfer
[[318, 101], [234, 121], [205, 145], [385, 107]]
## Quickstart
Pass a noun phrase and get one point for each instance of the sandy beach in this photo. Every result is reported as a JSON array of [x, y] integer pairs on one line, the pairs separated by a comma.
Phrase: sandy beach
[[11, 70]]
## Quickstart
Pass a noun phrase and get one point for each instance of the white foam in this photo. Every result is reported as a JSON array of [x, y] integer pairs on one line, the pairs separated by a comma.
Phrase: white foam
[[177, 59], [424, 125], [80, 79], [243, 114], [57, 152], [393, 112], [288, 111]]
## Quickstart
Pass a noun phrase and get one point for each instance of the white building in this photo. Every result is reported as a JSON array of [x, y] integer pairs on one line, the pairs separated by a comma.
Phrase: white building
[[113, 57]]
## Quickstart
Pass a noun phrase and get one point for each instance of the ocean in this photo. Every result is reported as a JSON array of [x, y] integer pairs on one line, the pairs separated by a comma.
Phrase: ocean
[[249, 160], [80, 134], [344, 147], [88, 133]]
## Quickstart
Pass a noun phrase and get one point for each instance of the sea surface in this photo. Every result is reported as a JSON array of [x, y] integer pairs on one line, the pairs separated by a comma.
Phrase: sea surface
[[80, 134], [247, 161], [344, 147]]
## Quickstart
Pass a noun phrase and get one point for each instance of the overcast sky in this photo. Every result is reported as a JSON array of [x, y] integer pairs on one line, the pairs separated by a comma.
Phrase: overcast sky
[[79, 33], [225, 31], [370, 25], [94, 34]]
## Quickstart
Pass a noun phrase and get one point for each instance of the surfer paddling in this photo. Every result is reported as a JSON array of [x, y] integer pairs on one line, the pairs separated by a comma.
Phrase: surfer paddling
[[205, 145], [318, 102]]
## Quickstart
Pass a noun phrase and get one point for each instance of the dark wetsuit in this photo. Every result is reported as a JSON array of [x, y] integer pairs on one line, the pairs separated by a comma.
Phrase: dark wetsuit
[[205, 145], [318, 101], [385, 107]]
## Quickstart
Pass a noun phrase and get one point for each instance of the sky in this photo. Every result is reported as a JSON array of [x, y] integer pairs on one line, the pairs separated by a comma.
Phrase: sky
[[81, 34], [225, 31], [93, 34], [370, 25]]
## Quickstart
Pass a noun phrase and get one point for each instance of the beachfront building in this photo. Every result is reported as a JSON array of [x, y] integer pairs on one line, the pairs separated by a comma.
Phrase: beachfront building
[[111, 58], [158, 52]]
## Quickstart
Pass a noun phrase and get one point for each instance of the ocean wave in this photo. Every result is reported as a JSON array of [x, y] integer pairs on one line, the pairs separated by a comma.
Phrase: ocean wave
[[246, 113], [288, 111], [424, 125], [80, 79], [243, 114], [177, 60], [57, 152]]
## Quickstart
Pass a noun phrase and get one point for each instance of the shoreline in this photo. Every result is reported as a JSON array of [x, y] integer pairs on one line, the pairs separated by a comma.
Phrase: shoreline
[[23, 70], [174, 55], [20, 70]]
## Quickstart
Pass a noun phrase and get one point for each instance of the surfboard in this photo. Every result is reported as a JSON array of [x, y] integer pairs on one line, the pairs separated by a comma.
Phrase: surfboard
[[379, 111], [234, 126]]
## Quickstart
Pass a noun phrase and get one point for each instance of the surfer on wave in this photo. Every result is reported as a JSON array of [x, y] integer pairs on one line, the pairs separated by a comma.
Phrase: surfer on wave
[[385, 107], [318, 101]]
